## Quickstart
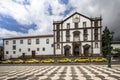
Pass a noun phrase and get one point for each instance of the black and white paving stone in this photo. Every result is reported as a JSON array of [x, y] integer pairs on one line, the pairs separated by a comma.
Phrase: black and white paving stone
[[60, 72]]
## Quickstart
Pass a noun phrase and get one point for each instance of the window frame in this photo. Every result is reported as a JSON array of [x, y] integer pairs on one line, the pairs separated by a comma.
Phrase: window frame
[[14, 41], [37, 41], [21, 41], [14, 47], [29, 41]]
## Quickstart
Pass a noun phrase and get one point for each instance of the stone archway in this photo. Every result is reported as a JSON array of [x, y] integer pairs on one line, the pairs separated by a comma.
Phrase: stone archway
[[86, 49], [76, 49], [67, 50]]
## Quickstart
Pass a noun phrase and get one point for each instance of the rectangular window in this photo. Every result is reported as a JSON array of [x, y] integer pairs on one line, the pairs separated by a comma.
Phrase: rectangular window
[[67, 35], [85, 34], [76, 25], [58, 39], [58, 46], [96, 34], [85, 31], [68, 25], [14, 47], [84, 24], [20, 50], [14, 41], [21, 41], [37, 41], [96, 37], [85, 38], [7, 52], [29, 41], [7, 42], [96, 24], [47, 41], [58, 33], [96, 45], [14, 52], [38, 49], [52, 45], [28, 49], [43, 49], [96, 31]]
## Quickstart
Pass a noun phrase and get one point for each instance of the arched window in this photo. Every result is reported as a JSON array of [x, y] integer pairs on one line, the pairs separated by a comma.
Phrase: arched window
[[76, 36]]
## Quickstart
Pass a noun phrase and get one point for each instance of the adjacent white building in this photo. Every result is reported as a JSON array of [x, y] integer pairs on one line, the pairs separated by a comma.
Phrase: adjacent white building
[[115, 44], [28, 45], [76, 35]]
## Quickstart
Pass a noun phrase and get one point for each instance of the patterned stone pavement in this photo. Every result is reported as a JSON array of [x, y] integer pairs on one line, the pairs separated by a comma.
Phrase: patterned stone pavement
[[60, 72]]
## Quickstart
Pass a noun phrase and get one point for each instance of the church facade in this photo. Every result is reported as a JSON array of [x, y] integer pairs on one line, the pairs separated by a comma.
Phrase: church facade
[[76, 35]]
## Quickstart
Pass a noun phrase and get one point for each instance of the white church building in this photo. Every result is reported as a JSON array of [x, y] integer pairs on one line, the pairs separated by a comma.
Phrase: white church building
[[76, 35]]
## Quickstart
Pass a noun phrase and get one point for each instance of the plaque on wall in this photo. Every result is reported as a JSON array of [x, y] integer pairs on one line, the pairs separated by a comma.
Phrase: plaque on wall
[[76, 18]]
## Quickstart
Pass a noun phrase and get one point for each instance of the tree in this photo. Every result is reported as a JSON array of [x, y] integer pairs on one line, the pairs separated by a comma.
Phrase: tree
[[106, 41]]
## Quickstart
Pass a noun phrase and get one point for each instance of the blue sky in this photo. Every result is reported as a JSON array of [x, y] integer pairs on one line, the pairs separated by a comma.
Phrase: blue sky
[[35, 17]]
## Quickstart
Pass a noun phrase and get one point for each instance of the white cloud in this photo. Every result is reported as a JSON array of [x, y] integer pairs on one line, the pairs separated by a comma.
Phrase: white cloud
[[36, 12], [4, 33]]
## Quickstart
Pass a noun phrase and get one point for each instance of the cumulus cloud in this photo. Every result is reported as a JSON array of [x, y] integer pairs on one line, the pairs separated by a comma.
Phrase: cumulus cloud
[[4, 33], [42, 13]]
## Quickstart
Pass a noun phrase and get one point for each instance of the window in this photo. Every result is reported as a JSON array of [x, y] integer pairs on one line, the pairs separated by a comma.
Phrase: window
[[58, 46], [29, 41], [96, 31], [85, 38], [47, 41], [96, 34], [14, 47], [43, 49], [21, 41], [6, 42], [52, 45], [7, 52], [28, 49], [85, 31], [76, 25], [58, 39], [96, 45], [20, 50], [96, 37], [76, 35], [14, 41], [68, 25], [58, 33], [38, 49], [96, 24], [37, 41], [84, 24], [67, 35], [14, 52], [85, 35]]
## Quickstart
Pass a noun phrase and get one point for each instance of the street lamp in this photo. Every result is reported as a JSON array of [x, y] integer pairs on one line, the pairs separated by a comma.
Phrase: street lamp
[[109, 49]]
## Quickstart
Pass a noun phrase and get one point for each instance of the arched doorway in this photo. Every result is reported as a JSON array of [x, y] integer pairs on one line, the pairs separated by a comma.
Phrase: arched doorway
[[86, 50], [76, 49], [67, 50]]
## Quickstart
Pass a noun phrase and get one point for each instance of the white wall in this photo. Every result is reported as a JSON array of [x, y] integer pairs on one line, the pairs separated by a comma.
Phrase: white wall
[[33, 47], [115, 46]]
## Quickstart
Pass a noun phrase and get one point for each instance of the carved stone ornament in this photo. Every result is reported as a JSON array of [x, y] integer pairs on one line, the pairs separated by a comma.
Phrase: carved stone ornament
[[76, 18]]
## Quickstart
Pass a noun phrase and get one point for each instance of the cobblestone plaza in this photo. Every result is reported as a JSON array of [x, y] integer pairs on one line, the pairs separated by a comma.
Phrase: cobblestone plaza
[[59, 72]]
